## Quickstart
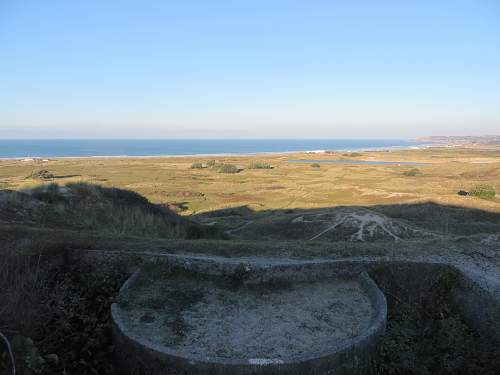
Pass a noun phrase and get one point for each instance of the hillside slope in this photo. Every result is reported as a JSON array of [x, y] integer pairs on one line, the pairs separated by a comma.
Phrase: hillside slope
[[89, 207], [419, 221]]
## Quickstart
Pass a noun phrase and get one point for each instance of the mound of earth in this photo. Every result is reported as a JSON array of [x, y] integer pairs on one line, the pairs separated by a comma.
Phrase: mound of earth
[[336, 224], [82, 206]]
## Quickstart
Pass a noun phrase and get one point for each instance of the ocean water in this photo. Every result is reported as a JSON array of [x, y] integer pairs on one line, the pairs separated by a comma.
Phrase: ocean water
[[46, 148]]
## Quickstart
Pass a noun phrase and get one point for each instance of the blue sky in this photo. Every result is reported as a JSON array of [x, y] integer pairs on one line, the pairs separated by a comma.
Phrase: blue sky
[[254, 68]]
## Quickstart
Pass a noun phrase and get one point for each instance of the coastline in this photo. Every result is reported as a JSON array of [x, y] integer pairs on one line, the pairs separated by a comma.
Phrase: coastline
[[229, 154]]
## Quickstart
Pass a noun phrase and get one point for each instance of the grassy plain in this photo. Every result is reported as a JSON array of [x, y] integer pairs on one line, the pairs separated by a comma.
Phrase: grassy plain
[[171, 181]]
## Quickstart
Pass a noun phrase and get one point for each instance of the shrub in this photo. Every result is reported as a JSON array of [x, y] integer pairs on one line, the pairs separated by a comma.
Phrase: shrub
[[412, 172], [47, 193], [484, 191], [429, 336], [72, 332], [41, 175], [315, 165], [228, 168], [259, 165], [211, 163], [197, 166], [20, 288], [83, 191]]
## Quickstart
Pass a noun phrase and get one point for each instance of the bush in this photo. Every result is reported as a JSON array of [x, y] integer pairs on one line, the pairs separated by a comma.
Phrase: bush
[[228, 168], [484, 191], [41, 175], [315, 165], [70, 327], [211, 163], [197, 166], [412, 172], [429, 336], [47, 193], [21, 289], [259, 165]]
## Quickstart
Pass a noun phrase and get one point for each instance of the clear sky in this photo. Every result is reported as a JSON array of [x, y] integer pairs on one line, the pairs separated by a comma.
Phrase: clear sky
[[253, 68]]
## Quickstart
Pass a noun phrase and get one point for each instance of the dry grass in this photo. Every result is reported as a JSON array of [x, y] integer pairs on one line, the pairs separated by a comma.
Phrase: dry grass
[[91, 207], [54, 317], [21, 287], [171, 180]]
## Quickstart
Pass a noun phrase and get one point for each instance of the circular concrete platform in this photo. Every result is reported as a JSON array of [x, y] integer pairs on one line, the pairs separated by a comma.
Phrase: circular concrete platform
[[171, 319]]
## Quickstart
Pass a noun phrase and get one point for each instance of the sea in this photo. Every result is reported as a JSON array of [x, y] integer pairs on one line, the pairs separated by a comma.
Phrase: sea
[[59, 148]]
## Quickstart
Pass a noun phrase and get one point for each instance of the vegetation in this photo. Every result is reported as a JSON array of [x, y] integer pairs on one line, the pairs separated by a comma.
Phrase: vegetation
[[41, 175], [197, 166], [453, 219], [315, 165], [159, 179], [84, 206], [412, 172], [228, 168], [259, 165], [428, 336], [58, 316], [209, 164], [483, 191]]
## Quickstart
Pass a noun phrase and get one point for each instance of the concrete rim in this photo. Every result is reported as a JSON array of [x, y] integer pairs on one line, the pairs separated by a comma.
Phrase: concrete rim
[[368, 337]]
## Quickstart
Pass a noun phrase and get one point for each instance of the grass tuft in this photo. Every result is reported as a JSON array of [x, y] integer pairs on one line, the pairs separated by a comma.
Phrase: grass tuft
[[228, 168], [197, 166], [412, 172], [259, 165], [483, 191]]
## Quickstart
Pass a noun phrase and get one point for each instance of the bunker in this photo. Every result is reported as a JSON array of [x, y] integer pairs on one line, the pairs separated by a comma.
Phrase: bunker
[[247, 319]]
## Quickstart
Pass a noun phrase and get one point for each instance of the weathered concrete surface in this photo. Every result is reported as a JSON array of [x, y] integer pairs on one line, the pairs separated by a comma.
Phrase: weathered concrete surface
[[283, 344], [476, 292]]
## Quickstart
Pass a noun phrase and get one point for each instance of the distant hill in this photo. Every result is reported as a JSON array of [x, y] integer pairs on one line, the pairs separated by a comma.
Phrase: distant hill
[[82, 206], [462, 140]]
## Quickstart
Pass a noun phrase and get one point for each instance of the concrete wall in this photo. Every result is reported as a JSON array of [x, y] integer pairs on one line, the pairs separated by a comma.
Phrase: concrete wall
[[138, 356]]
